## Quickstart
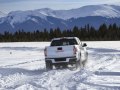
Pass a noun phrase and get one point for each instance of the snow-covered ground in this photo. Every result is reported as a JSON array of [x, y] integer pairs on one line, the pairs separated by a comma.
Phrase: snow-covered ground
[[22, 67]]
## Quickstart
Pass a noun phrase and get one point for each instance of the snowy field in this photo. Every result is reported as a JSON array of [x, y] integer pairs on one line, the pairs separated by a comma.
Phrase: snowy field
[[22, 67]]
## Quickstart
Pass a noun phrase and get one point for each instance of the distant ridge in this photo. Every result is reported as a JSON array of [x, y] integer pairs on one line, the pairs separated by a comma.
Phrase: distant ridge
[[40, 19], [2, 14]]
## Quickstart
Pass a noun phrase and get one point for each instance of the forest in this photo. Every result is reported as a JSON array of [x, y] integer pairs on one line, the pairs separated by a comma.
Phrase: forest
[[86, 33]]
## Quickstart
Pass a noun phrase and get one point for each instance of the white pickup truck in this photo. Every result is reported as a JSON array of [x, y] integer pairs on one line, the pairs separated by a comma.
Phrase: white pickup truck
[[65, 51]]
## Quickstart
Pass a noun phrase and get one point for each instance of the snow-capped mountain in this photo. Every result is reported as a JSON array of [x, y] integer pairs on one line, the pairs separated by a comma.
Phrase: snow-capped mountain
[[105, 10], [2, 14], [22, 16], [47, 18]]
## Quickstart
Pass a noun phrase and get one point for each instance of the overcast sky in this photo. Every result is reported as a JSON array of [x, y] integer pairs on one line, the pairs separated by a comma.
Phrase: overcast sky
[[12, 5]]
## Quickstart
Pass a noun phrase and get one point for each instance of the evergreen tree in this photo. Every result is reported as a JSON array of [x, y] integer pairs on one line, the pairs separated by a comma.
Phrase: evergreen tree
[[102, 32], [110, 32]]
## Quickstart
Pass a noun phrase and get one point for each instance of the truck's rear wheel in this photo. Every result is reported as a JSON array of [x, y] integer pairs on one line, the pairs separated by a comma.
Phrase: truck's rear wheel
[[77, 64], [49, 65]]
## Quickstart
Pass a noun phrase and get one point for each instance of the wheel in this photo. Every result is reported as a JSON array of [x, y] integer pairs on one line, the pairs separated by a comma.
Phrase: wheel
[[77, 64], [49, 65], [81, 64], [86, 56]]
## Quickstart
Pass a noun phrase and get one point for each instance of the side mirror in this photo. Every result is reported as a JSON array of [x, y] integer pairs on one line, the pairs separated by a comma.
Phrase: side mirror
[[84, 45]]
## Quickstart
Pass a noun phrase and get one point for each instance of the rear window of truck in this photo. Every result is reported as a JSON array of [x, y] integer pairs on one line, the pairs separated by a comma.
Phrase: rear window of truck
[[64, 42]]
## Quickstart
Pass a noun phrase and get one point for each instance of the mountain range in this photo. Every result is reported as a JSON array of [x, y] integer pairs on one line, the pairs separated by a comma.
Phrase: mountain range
[[2, 14], [39, 19]]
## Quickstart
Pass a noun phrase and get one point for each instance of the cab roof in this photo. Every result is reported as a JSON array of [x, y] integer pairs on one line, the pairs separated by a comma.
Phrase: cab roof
[[64, 38]]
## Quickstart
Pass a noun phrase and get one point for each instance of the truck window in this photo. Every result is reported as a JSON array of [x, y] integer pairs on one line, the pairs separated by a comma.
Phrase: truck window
[[64, 42]]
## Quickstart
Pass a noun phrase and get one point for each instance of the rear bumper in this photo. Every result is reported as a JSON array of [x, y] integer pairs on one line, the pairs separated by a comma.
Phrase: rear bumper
[[69, 60]]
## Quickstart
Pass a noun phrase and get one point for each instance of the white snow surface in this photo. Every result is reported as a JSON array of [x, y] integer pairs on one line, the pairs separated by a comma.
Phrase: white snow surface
[[22, 67]]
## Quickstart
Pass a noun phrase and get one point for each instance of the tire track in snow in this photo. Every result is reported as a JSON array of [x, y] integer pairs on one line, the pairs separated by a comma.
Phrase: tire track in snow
[[64, 79], [20, 63], [101, 62], [76, 79]]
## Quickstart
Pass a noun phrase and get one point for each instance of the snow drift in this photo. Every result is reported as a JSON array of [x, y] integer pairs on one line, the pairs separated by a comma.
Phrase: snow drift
[[22, 67]]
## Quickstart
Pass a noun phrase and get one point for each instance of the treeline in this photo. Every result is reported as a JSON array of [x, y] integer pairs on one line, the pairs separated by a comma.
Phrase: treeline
[[87, 33]]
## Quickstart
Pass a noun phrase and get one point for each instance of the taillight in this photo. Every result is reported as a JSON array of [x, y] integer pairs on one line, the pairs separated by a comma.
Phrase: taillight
[[45, 51], [74, 50]]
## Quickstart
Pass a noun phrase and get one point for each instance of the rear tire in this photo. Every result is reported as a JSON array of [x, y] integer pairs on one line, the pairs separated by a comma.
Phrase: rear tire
[[77, 64], [49, 65], [81, 64]]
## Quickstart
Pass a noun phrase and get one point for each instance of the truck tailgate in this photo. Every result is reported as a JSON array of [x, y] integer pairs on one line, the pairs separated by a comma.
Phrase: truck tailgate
[[60, 51]]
